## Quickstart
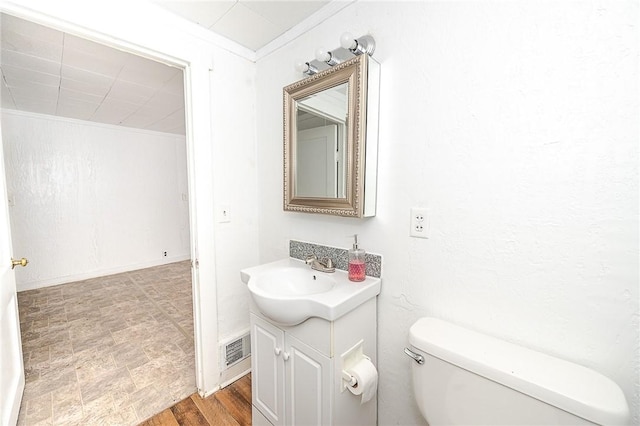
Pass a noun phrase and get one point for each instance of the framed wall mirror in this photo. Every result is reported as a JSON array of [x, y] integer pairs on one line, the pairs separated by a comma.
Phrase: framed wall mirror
[[331, 140]]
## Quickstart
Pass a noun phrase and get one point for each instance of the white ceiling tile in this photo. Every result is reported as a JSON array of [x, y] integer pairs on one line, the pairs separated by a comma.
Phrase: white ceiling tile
[[141, 119], [34, 63], [146, 72], [171, 121], [33, 91], [113, 111], [20, 26], [246, 27], [87, 77], [31, 46], [95, 87], [175, 85], [73, 108], [95, 64], [203, 13], [12, 73], [166, 101], [284, 14], [94, 49], [75, 95], [40, 106], [131, 92]]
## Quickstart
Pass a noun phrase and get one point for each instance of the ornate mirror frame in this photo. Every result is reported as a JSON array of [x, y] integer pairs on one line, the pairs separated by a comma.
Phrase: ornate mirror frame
[[361, 74]]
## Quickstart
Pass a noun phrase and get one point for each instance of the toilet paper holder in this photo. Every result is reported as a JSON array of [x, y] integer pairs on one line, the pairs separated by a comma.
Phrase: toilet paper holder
[[348, 380], [350, 358]]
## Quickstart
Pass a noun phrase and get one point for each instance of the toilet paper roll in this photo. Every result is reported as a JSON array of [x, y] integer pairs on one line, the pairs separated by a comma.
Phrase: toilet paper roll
[[367, 379]]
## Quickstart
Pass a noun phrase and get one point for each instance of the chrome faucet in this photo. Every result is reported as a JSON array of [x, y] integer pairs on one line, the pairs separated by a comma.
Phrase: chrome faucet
[[323, 265]]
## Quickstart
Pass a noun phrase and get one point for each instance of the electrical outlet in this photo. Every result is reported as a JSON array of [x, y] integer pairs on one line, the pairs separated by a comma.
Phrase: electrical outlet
[[419, 223], [224, 213], [164, 254]]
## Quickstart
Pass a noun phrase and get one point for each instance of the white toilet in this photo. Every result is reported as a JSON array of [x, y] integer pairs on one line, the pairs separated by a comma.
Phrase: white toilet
[[461, 377]]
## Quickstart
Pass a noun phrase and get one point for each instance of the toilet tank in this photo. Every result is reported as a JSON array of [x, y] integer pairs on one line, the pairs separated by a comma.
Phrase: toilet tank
[[468, 378]]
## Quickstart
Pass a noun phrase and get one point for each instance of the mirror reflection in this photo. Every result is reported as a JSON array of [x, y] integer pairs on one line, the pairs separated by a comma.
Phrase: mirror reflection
[[321, 149]]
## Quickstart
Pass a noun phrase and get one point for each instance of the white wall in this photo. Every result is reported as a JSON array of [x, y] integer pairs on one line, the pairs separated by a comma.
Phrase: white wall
[[233, 107], [90, 199], [516, 124]]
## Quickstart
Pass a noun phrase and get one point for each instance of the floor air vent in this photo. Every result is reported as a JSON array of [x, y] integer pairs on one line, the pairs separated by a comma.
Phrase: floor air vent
[[236, 350]]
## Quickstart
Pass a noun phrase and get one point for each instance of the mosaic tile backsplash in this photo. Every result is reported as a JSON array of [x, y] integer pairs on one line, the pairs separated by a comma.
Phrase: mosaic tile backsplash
[[300, 250]]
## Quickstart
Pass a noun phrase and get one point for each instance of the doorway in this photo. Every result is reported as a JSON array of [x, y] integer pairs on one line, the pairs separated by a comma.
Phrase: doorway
[[82, 284]]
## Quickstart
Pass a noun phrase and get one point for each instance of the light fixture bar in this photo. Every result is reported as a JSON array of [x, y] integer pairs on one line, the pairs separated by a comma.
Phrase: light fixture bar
[[356, 46]]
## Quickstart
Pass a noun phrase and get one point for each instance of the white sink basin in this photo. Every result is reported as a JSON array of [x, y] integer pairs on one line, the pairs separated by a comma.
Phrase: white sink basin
[[289, 292]]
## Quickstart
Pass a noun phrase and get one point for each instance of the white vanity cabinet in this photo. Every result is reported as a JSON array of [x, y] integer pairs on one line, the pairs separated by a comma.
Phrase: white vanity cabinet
[[290, 380], [297, 370]]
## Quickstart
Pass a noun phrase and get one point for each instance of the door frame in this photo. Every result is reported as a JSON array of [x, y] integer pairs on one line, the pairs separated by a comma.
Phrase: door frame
[[196, 71]]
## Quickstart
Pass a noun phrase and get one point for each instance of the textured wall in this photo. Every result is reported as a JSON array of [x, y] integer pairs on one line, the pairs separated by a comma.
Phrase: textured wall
[[516, 124], [92, 199], [235, 188]]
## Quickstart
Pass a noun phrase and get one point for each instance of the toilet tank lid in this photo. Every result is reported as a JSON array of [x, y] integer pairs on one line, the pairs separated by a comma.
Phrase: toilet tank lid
[[563, 384]]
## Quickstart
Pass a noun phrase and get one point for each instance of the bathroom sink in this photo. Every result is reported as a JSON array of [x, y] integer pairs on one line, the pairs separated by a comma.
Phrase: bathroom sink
[[291, 282], [289, 292]]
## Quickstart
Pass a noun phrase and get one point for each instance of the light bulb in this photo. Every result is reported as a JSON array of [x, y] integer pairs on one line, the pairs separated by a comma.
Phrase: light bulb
[[347, 41], [322, 55], [302, 66]]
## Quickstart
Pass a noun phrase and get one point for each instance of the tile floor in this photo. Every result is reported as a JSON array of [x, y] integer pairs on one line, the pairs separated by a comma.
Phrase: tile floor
[[112, 350]]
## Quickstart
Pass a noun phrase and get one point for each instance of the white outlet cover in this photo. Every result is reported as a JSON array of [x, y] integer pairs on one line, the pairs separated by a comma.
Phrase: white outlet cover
[[419, 222]]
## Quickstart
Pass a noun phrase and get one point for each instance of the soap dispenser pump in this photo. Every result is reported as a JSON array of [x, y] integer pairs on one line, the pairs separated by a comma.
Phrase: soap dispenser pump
[[356, 262]]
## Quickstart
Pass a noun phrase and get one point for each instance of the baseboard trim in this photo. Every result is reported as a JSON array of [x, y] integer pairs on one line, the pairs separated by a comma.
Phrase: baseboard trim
[[33, 285]]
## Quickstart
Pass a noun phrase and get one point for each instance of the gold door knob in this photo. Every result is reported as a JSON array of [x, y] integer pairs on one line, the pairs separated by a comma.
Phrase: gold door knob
[[22, 262]]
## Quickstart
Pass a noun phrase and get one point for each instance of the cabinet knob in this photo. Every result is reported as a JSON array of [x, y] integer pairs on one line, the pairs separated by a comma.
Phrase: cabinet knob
[[285, 355], [277, 351]]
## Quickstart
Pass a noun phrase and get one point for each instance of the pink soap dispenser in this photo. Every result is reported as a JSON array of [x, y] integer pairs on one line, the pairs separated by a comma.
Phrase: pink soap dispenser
[[356, 262]]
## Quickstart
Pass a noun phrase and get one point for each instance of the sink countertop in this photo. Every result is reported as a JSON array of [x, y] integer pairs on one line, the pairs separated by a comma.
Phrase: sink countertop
[[330, 305]]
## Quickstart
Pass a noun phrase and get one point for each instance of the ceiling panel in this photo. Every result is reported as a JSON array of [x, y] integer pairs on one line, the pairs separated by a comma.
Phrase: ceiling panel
[[40, 106], [203, 13], [94, 87], [234, 25], [82, 109], [33, 91], [50, 72], [284, 14], [252, 24], [130, 92], [113, 111], [95, 64], [13, 74], [32, 46], [33, 63]]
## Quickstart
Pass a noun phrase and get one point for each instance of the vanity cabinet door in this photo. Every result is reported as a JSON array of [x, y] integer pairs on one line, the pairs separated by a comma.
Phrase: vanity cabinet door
[[308, 389], [267, 365]]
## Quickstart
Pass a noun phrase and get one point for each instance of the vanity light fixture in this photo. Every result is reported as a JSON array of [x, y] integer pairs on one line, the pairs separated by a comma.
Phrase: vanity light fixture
[[326, 57], [306, 68], [358, 46]]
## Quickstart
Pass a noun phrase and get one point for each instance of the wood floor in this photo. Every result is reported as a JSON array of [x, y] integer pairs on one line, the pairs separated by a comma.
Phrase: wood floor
[[227, 407]]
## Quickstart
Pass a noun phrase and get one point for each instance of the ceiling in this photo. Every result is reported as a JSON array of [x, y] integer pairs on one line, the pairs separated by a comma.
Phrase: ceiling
[[252, 24], [50, 72]]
